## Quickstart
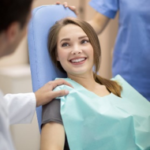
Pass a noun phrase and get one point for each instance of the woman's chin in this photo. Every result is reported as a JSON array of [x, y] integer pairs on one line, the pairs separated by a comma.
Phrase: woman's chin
[[77, 73]]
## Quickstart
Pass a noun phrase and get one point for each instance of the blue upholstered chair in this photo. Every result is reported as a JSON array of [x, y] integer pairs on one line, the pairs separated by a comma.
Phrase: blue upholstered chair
[[42, 69]]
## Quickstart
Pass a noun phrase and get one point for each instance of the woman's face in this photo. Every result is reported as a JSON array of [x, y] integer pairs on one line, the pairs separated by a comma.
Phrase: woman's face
[[74, 51]]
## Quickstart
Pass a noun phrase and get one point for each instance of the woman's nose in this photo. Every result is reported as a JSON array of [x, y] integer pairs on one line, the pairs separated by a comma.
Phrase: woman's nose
[[76, 50]]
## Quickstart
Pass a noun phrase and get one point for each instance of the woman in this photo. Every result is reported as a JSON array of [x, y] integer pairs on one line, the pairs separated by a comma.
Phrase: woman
[[74, 48]]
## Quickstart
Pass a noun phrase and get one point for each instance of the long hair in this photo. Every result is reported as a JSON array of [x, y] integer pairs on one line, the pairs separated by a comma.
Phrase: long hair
[[112, 86]]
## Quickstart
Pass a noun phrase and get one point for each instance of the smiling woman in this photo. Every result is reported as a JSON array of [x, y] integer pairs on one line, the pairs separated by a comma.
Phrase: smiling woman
[[74, 48], [72, 40]]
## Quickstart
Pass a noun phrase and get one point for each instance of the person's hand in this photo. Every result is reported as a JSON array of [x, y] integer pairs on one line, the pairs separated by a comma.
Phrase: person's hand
[[46, 94], [65, 4]]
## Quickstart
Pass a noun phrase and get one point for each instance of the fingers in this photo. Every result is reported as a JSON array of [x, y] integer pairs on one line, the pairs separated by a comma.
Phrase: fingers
[[58, 82], [61, 81], [65, 4], [73, 8], [44, 97], [55, 94], [57, 3]]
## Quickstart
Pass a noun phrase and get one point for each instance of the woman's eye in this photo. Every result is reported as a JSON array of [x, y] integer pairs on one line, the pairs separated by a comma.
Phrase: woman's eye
[[84, 41], [65, 45]]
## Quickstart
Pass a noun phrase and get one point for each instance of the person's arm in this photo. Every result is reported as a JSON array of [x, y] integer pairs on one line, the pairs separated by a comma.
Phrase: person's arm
[[21, 107], [52, 136], [99, 22], [5, 136]]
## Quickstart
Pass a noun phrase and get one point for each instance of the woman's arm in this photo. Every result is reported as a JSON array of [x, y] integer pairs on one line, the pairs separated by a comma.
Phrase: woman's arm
[[52, 136], [99, 22]]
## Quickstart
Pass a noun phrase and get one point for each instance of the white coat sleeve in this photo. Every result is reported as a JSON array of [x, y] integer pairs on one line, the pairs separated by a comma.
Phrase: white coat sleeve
[[21, 107]]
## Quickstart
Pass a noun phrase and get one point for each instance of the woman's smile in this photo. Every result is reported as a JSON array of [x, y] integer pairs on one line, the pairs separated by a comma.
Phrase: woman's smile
[[78, 61]]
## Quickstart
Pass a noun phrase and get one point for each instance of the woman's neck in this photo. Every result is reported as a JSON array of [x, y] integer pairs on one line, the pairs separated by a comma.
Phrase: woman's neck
[[90, 84], [86, 81]]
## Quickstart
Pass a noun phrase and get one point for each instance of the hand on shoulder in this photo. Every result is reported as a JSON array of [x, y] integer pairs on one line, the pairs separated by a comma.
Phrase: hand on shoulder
[[46, 94]]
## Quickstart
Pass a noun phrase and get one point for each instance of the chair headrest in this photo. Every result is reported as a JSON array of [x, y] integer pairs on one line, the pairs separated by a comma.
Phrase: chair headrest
[[43, 18]]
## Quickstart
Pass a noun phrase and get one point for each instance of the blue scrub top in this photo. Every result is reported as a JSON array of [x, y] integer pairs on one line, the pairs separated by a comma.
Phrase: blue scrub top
[[132, 49]]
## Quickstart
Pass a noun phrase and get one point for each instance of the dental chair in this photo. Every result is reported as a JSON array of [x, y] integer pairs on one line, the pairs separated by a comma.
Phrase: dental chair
[[42, 68]]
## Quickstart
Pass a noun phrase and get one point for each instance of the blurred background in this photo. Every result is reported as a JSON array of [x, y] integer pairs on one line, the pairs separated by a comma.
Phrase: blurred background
[[15, 71]]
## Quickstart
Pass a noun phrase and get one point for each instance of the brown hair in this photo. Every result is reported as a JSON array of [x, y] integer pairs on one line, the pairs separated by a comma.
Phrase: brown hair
[[112, 86]]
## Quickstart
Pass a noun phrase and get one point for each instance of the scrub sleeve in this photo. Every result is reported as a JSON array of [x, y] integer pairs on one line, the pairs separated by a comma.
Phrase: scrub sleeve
[[51, 113]]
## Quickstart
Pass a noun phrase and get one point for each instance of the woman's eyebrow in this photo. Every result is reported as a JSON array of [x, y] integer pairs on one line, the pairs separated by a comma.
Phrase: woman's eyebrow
[[81, 37], [65, 39], [68, 39]]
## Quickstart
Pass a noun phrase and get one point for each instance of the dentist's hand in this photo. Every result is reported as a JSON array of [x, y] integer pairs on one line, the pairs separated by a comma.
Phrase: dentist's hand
[[46, 94], [65, 4]]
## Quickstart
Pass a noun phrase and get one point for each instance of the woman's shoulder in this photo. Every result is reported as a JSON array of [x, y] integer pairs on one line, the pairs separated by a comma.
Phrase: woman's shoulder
[[64, 87], [72, 82]]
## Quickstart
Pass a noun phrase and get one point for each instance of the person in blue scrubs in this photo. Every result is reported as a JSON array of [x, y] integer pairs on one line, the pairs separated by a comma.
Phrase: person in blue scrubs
[[132, 49]]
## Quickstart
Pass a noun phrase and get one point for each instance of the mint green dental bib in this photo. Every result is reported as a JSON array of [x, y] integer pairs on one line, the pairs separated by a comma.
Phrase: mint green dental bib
[[105, 123]]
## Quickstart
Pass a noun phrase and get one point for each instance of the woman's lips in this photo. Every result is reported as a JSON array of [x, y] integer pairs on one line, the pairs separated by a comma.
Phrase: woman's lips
[[78, 61]]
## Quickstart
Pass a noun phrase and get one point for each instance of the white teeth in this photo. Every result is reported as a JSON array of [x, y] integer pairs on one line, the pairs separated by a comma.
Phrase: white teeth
[[78, 60]]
